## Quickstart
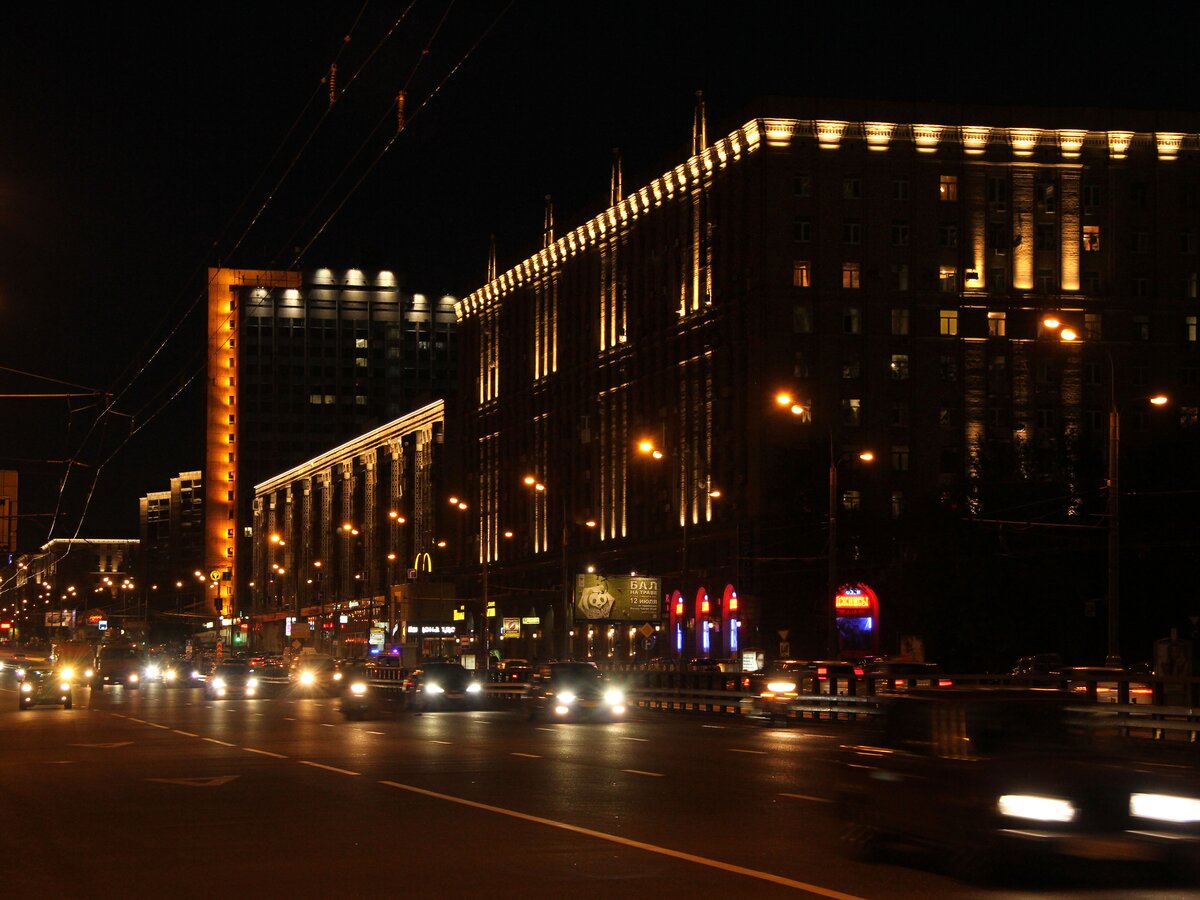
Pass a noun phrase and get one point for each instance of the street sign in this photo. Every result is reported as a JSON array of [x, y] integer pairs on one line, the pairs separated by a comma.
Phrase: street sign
[[512, 627], [215, 575], [102, 625], [647, 630], [783, 633], [785, 649]]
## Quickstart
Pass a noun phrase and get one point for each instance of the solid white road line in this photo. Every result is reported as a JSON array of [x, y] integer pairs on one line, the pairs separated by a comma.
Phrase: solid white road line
[[264, 752], [629, 842], [305, 762], [807, 797], [156, 725], [640, 772], [185, 733], [215, 741]]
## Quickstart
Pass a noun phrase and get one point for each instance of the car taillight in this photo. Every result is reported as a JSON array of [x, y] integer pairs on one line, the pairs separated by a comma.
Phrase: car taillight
[[822, 670], [945, 682], [858, 672]]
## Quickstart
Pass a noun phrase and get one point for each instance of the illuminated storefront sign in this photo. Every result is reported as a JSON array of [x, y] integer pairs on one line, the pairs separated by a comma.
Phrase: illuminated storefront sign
[[851, 601], [432, 629]]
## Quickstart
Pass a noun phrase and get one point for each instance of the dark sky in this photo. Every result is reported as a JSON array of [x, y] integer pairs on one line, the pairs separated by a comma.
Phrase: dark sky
[[137, 141]]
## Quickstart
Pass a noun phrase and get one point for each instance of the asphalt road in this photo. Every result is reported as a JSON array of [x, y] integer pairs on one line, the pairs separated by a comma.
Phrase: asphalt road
[[159, 792]]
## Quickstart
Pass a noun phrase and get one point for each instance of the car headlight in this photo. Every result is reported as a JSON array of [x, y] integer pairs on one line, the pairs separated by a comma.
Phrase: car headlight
[[474, 687], [218, 683], [169, 675], [65, 686], [1041, 809], [613, 697], [153, 671], [27, 689], [307, 678], [781, 687], [358, 688], [133, 676], [67, 673], [566, 697], [20, 673], [337, 676], [88, 673], [195, 673], [1164, 808], [251, 682], [434, 689]]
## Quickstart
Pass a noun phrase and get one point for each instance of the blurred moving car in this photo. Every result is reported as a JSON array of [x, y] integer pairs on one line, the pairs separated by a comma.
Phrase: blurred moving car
[[442, 686], [893, 675], [118, 664], [345, 670], [573, 690], [313, 672], [43, 684], [1038, 664], [991, 778], [1107, 682], [232, 678]]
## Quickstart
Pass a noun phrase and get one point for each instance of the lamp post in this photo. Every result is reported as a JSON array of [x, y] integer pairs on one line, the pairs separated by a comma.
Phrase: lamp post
[[786, 401], [1068, 335]]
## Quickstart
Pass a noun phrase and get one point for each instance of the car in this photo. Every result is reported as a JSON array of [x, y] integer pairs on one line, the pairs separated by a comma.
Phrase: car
[[1038, 664], [43, 684], [313, 673], [442, 686], [1107, 681], [231, 678], [344, 670], [567, 691], [785, 686], [118, 664], [993, 779], [888, 675]]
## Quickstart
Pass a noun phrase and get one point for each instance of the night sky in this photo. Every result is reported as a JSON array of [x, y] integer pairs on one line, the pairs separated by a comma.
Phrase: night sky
[[138, 141]]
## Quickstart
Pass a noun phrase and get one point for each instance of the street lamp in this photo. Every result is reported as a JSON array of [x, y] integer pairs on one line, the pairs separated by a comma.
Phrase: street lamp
[[1069, 335], [785, 400]]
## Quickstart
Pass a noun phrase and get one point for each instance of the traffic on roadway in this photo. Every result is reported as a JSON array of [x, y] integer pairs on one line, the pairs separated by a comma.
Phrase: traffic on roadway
[[278, 785]]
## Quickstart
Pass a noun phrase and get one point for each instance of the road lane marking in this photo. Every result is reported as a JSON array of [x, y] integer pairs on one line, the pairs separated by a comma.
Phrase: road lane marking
[[541, 728], [215, 741], [305, 762], [439, 742], [139, 721], [185, 733], [755, 752], [806, 797], [712, 726], [375, 732], [264, 752], [630, 842], [528, 755], [156, 725], [288, 719], [215, 781], [327, 725], [104, 746], [641, 772], [639, 740]]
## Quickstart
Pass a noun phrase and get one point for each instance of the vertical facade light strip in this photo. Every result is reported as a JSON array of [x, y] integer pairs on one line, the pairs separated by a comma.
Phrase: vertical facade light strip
[[1071, 235], [1022, 188]]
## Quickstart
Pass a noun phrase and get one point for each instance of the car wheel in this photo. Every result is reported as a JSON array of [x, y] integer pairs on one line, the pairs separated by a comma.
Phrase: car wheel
[[67, 703]]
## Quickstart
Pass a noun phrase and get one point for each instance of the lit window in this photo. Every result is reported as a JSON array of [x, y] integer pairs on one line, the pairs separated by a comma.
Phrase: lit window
[[315, 399], [360, 400], [996, 323], [360, 343], [899, 367], [1189, 329], [1091, 238], [851, 412], [360, 362], [948, 279], [851, 275], [948, 187], [899, 321], [948, 322], [801, 273]]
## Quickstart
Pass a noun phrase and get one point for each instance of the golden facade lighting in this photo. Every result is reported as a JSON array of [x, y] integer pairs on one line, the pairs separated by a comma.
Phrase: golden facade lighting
[[1118, 143], [975, 139], [926, 137], [878, 135], [1168, 144], [1070, 142], [1023, 140], [779, 131], [829, 134]]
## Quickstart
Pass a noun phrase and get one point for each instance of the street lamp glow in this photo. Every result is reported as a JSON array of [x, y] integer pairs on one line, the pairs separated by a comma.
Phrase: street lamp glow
[[783, 398], [657, 454], [391, 557], [347, 527], [441, 544], [797, 409], [539, 487], [276, 538], [454, 501], [714, 493], [590, 523], [1068, 334], [508, 534], [1051, 322], [462, 506], [529, 480], [866, 456], [645, 446], [1160, 400]]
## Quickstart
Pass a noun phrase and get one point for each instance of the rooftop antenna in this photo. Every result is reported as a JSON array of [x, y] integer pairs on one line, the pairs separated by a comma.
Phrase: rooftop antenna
[[616, 192], [548, 226], [491, 269], [699, 129]]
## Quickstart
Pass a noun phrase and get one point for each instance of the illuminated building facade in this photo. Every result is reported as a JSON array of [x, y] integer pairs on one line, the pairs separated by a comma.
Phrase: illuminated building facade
[[299, 362], [171, 536], [8, 515], [890, 268], [336, 535]]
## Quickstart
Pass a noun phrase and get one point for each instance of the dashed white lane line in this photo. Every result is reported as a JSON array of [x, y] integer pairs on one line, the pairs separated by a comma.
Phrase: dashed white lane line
[[712, 726], [528, 755], [288, 719], [440, 742], [185, 733], [327, 725], [629, 842], [542, 728], [118, 715], [305, 762], [639, 740], [375, 732], [755, 752], [156, 725], [806, 797], [264, 753], [641, 772], [215, 741], [139, 721]]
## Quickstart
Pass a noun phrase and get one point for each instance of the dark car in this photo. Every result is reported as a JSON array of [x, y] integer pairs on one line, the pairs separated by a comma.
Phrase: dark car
[[991, 779], [573, 690], [117, 664], [43, 684], [345, 671], [442, 686], [787, 684], [889, 675], [378, 686], [232, 678], [314, 673]]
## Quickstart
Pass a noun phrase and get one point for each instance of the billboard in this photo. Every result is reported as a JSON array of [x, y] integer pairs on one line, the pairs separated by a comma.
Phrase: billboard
[[621, 598]]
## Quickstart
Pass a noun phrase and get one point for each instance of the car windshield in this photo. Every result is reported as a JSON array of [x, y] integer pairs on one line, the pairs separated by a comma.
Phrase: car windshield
[[575, 673], [111, 653], [446, 674], [232, 669]]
